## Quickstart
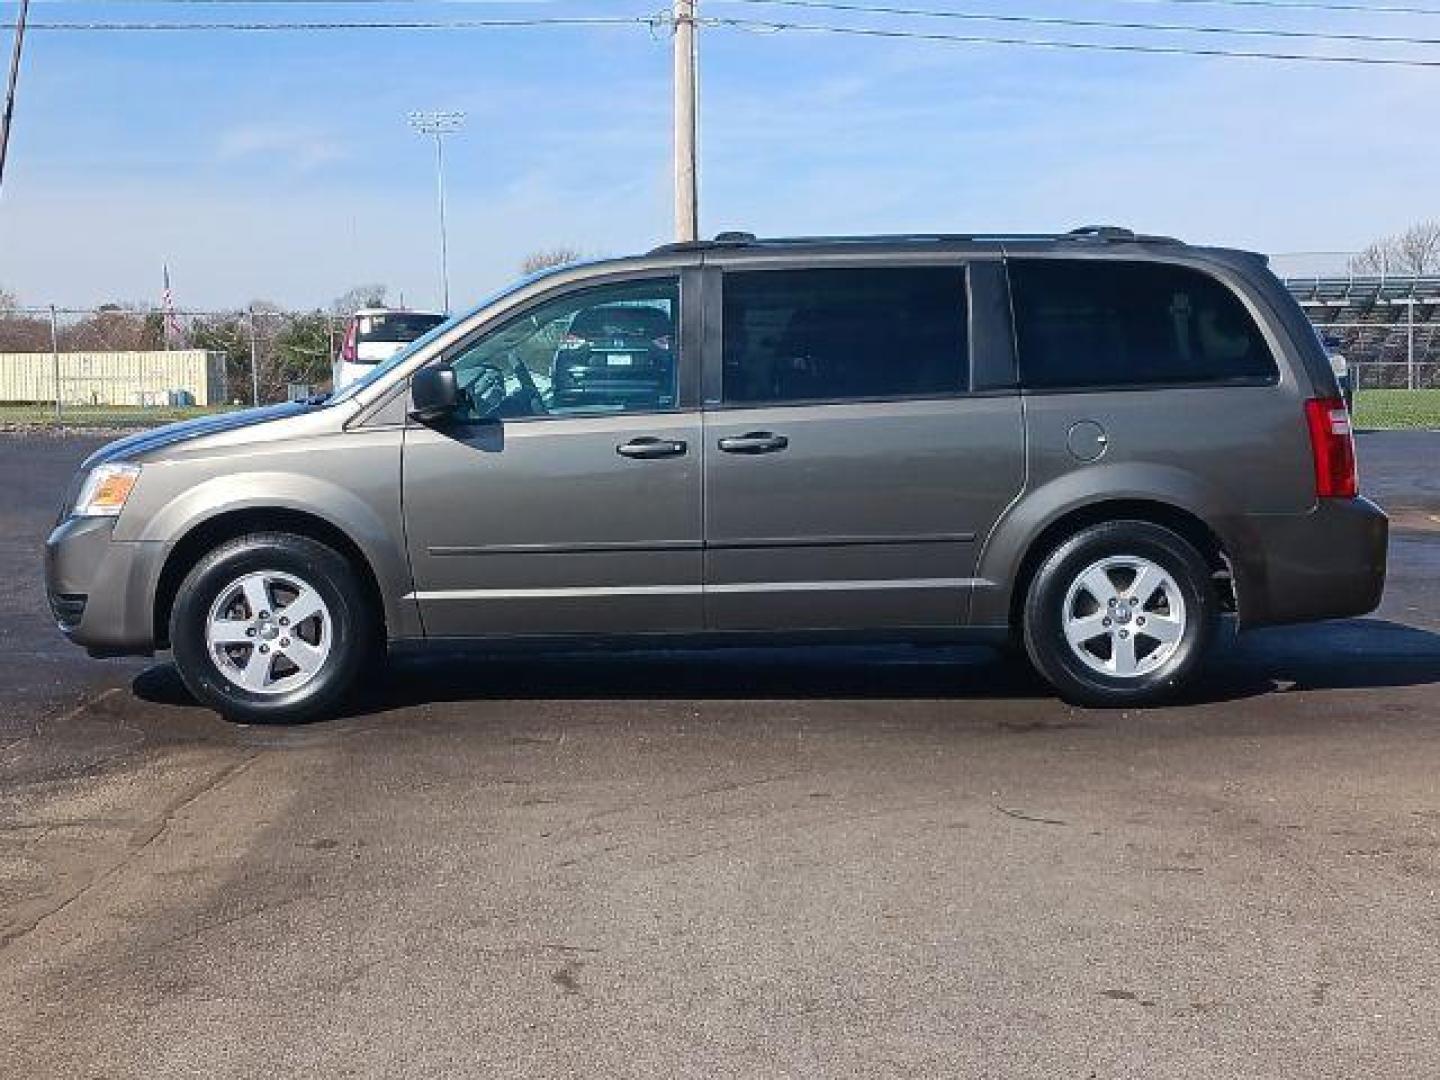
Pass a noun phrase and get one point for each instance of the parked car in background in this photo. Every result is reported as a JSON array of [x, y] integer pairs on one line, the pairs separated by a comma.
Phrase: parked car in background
[[376, 334], [620, 355], [1088, 447], [1341, 367]]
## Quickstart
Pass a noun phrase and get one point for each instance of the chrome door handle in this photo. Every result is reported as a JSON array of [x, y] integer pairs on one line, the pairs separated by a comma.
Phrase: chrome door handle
[[648, 447], [754, 442]]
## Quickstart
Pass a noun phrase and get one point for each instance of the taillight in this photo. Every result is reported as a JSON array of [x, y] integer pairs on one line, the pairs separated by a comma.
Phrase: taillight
[[349, 352], [1332, 447]]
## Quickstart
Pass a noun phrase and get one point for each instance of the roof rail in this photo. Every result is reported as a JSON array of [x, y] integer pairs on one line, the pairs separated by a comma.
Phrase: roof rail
[[724, 239], [1117, 234], [1102, 232], [1095, 233]]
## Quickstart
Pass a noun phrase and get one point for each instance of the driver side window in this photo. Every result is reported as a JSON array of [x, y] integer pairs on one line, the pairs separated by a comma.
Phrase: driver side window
[[610, 349]]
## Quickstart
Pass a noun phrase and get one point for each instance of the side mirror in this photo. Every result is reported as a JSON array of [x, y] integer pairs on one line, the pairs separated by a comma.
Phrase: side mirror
[[434, 392]]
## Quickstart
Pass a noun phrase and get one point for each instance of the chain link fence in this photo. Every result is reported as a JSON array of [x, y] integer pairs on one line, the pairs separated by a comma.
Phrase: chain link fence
[[118, 366], [128, 366], [1395, 356], [1386, 326]]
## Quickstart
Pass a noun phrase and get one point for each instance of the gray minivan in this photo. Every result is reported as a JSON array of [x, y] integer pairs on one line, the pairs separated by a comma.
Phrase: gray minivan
[[1089, 446]]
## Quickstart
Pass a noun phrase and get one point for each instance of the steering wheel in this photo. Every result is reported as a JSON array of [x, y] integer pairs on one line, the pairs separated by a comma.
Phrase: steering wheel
[[482, 388], [527, 384]]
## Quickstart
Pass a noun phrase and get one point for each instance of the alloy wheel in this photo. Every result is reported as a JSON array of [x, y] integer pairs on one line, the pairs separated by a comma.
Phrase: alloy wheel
[[1124, 616], [269, 632]]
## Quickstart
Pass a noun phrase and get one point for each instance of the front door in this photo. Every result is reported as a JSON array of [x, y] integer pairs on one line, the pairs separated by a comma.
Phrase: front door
[[850, 473], [564, 494]]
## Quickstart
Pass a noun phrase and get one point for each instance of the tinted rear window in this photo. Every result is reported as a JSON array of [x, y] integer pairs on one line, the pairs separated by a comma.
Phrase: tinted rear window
[[402, 326], [618, 321], [1102, 323], [836, 335]]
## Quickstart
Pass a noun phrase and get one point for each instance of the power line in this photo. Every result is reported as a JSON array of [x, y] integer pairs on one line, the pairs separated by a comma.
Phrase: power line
[[1259, 5], [1300, 5], [771, 26], [328, 25], [749, 24], [1092, 24]]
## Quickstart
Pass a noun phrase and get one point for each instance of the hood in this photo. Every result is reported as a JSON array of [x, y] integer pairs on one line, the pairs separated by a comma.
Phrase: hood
[[147, 442]]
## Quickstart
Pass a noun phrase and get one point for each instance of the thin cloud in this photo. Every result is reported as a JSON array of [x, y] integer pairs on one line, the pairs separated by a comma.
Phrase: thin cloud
[[300, 150]]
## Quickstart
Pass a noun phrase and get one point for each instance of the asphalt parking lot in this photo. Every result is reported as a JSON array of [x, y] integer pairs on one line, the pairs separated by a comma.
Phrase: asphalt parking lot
[[868, 862]]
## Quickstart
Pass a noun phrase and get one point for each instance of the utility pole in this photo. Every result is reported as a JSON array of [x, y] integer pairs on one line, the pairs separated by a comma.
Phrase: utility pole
[[438, 125], [687, 213], [254, 362], [1410, 343], [9, 113], [55, 359]]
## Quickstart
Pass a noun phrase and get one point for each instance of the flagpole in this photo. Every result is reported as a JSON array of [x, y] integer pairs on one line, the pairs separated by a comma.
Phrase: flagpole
[[172, 320]]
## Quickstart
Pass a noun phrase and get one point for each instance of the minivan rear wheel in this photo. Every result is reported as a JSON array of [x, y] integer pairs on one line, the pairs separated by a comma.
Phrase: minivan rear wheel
[[271, 628], [1120, 614]]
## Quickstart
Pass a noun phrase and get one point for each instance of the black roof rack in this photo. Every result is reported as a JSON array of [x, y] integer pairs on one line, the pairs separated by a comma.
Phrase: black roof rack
[[1090, 233], [1117, 233]]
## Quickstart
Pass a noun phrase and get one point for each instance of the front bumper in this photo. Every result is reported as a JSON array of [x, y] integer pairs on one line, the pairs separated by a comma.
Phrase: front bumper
[[101, 590], [1327, 564]]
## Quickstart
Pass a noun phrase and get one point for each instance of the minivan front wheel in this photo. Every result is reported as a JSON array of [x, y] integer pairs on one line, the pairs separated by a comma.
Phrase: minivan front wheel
[[271, 628], [1120, 614]]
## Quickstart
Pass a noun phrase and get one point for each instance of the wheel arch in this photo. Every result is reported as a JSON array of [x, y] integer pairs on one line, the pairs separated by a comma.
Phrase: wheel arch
[[1183, 522], [1164, 495], [209, 533]]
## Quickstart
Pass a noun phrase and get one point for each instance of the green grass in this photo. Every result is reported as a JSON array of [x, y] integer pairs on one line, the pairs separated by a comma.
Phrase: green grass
[[96, 416], [1398, 409]]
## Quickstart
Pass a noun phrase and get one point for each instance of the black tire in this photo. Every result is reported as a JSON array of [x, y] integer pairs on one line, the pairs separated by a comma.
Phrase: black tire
[[353, 636], [1045, 614]]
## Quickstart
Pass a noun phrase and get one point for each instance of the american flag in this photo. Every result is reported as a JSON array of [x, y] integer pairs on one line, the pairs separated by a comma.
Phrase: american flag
[[174, 334]]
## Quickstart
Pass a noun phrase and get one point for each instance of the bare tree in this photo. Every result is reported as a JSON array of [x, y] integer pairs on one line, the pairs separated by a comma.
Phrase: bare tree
[[21, 331], [544, 260], [1414, 251], [361, 296], [118, 326]]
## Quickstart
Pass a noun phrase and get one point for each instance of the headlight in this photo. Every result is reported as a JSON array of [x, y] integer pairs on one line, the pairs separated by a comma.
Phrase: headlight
[[105, 490]]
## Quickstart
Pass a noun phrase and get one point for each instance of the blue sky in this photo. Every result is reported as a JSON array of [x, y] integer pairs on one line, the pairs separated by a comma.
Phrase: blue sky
[[279, 166]]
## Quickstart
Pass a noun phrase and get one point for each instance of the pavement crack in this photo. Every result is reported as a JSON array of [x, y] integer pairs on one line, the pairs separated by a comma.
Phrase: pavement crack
[[741, 785], [1020, 815], [69, 714], [158, 827]]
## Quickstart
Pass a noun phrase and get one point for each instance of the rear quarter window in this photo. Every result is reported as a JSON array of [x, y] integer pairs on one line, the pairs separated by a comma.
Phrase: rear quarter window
[[1098, 324], [395, 326]]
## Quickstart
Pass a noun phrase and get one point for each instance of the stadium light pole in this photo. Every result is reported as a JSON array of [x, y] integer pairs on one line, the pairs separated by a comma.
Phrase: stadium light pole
[[438, 124], [9, 109]]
